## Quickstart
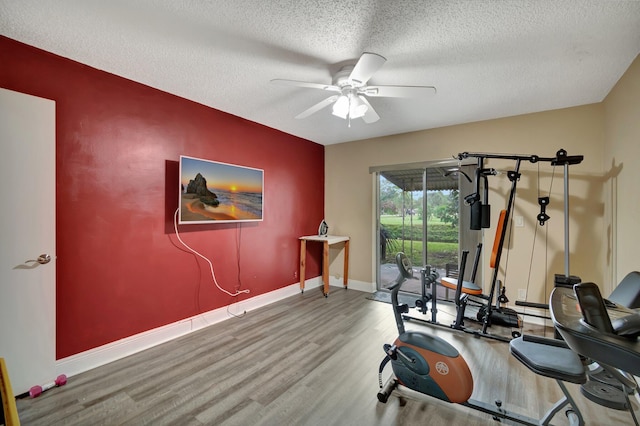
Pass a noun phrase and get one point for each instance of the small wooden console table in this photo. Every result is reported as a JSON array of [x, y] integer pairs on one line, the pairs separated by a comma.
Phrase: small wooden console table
[[327, 241]]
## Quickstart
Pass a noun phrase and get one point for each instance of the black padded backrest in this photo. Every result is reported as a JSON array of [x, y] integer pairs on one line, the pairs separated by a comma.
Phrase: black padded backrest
[[594, 311], [627, 293]]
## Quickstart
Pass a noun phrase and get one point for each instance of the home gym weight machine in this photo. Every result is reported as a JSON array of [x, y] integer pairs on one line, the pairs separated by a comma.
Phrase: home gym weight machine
[[480, 218], [428, 366]]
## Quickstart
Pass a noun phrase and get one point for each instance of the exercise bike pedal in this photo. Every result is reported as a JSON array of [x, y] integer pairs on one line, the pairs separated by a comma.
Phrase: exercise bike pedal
[[391, 351]]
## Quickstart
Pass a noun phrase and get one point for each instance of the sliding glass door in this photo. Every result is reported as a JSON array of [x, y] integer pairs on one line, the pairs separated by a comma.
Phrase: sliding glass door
[[420, 212]]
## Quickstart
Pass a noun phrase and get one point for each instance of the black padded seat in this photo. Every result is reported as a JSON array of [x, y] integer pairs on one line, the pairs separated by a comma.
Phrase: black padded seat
[[549, 358]]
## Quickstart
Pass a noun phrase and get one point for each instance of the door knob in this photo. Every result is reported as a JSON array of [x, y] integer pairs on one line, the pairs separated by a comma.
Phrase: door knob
[[43, 259]]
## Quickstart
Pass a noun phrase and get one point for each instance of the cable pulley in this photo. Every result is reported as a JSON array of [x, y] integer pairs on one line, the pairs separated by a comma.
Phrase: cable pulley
[[543, 216]]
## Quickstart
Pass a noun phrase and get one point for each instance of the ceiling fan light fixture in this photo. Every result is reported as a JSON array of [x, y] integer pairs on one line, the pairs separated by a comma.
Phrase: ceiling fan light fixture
[[341, 107], [357, 108], [349, 106]]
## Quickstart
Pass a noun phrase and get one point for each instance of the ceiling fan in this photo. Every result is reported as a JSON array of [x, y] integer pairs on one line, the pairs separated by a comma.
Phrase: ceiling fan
[[350, 86]]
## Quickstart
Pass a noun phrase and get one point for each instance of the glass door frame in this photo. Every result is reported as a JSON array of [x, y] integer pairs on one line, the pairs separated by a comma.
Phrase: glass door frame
[[449, 164]]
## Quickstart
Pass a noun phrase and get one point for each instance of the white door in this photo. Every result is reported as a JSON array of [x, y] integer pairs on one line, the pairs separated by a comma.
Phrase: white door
[[27, 230]]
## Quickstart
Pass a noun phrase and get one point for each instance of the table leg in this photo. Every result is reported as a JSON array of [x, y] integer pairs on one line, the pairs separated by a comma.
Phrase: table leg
[[325, 267], [345, 278], [303, 262]]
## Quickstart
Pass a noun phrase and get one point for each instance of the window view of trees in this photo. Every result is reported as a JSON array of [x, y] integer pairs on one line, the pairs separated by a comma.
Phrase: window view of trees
[[402, 220]]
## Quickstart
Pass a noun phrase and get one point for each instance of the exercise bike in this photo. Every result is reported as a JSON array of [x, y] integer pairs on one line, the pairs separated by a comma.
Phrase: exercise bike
[[428, 366]]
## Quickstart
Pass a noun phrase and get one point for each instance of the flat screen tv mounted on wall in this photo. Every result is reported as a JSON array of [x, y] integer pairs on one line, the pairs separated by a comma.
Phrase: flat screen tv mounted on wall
[[214, 192]]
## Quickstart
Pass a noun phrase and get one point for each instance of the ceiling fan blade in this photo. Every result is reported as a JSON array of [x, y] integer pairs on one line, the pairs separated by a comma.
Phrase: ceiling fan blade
[[317, 107], [367, 65], [371, 116], [305, 84], [399, 91]]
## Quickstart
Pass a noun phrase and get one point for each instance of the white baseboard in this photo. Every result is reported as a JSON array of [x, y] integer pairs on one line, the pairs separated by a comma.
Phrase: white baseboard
[[110, 352], [353, 284]]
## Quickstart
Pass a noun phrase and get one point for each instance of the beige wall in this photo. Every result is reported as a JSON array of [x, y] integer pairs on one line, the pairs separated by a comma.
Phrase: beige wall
[[621, 186], [349, 193]]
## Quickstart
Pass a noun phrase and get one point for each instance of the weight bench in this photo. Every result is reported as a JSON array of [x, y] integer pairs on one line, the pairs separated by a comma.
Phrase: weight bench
[[552, 358]]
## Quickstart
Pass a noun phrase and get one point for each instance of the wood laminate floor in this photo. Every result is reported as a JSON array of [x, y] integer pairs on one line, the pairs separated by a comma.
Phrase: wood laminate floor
[[306, 360]]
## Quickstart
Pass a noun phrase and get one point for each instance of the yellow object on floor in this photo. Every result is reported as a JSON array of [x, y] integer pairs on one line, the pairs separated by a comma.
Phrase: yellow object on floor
[[9, 409]]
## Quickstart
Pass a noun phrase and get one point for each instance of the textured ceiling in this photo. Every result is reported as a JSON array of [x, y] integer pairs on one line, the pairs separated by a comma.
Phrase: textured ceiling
[[487, 59]]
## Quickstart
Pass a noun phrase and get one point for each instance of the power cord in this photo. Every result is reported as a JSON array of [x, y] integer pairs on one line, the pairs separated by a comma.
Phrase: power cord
[[213, 275]]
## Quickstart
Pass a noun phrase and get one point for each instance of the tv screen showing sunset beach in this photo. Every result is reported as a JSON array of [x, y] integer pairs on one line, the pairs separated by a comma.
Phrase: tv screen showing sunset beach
[[214, 192]]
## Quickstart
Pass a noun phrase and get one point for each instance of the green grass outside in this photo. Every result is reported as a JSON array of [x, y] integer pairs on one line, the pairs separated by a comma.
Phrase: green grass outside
[[397, 220], [438, 254]]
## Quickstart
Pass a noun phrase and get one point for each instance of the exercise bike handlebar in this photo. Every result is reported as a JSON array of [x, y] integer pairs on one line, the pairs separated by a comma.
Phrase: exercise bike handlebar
[[397, 283], [397, 309], [405, 272]]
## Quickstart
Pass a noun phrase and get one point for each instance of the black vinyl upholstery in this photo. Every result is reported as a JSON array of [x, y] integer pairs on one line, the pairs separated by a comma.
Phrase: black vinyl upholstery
[[627, 293], [549, 360]]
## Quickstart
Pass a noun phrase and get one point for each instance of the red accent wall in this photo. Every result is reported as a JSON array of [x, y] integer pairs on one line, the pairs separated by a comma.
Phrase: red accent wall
[[120, 268]]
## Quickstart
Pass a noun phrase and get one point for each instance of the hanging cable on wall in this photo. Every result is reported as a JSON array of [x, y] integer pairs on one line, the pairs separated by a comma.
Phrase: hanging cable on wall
[[239, 283], [213, 275], [542, 218]]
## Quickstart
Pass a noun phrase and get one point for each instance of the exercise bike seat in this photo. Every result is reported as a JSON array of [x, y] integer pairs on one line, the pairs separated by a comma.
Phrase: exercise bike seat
[[467, 286], [549, 358]]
